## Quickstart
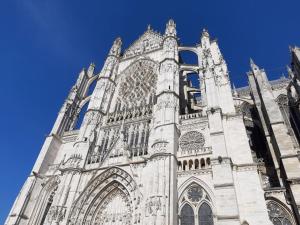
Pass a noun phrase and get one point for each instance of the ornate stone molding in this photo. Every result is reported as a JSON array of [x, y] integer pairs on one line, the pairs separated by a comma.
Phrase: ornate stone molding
[[71, 164], [57, 214], [244, 167], [194, 172], [155, 206], [84, 208], [148, 42], [159, 146]]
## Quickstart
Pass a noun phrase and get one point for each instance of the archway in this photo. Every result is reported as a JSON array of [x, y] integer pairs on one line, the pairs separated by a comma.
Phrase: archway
[[107, 199]]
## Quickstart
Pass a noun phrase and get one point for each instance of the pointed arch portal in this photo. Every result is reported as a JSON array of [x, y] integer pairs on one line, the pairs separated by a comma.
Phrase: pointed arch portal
[[107, 199]]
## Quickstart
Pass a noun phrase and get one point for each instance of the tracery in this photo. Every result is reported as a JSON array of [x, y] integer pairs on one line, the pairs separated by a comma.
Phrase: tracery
[[278, 214], [137, 85], [195, 206]]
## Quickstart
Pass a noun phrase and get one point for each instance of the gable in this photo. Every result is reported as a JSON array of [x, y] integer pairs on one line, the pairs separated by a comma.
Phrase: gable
[[149, 41]]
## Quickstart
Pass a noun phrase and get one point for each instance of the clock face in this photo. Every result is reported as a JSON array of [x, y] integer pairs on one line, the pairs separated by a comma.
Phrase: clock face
[[195, 193], [192, 141]]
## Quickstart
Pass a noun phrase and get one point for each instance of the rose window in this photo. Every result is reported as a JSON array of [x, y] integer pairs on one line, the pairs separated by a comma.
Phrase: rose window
[[195, 193], [192, 141], [278, 215]]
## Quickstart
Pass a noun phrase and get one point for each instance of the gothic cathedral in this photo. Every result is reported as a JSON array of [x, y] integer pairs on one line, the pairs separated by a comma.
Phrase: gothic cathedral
[[166, 142]]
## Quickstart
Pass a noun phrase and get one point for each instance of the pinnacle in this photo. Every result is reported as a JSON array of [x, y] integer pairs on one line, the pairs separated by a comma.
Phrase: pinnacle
[[253, 65], [205, 32]]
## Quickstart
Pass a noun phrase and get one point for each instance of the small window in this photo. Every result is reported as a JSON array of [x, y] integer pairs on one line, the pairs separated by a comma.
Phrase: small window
[[205, 215], [187, 215]]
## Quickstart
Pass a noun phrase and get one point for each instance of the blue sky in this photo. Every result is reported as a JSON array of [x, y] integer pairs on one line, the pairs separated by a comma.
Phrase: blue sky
[[45, 43]]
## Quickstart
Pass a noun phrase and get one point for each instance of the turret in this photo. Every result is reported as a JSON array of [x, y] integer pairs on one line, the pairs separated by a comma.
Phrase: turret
[[164, 140], [205, 39], [103, 91], [259, 73], [112, 58]]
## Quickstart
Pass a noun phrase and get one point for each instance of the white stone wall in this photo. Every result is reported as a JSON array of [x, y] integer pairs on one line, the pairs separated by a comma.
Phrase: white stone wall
[[75, 170]]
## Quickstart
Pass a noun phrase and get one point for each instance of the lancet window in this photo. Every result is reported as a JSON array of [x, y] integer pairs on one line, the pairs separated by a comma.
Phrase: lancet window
[[195, 206], [48, 206]]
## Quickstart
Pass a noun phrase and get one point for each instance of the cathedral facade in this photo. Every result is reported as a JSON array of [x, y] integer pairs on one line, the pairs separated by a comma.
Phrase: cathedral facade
[[165, 142]]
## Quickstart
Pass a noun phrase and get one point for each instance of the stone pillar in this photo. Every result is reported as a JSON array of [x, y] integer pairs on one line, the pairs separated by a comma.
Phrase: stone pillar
[[285, 153], [161, 200], [100, 101], [238, 193]]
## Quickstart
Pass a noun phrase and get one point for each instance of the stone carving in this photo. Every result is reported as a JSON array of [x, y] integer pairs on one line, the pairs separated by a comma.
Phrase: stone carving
[[114, 210], [169, 67], [71, 163], [149, 41], [159, 146], [170, 47], [192, 141], [85, 207], [278, 214], [116, 48], [167, 101], [91, 118], [56, 213], [171, 28], [221, 76], [153, 205]]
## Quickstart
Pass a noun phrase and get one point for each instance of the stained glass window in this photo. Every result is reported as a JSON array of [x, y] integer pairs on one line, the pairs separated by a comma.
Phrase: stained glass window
[[196, 209], [205, 215], [187, 215], [195, 193], [278, 215]]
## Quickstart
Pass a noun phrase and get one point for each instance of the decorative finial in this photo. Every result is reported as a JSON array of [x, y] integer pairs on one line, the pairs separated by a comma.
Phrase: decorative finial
[[290, 72], [235, 93], [116, 48], [253, 66], [205, 33], [171, 28], [149, 27], [91, 69]]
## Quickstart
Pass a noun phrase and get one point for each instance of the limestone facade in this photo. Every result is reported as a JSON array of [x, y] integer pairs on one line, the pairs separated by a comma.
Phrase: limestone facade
[[165, 142]]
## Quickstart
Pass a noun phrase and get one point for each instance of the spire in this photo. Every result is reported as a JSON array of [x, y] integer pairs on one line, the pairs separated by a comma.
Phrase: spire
[[235, 93], [253, 66], [91, 69], [116, 48], [290, 72], [205, 39], [205, 33], [171, 28]]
